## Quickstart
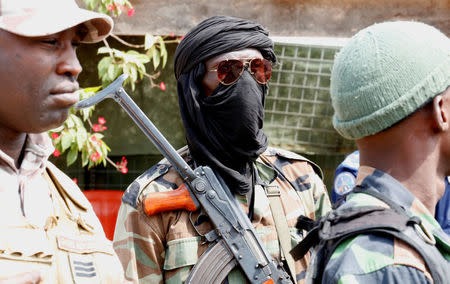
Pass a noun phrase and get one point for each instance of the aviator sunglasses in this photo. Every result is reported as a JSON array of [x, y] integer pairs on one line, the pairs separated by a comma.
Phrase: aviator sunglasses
[[229, 71]]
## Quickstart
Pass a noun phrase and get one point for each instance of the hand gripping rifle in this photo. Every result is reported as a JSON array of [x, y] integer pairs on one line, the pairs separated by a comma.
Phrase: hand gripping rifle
[[234, 238]]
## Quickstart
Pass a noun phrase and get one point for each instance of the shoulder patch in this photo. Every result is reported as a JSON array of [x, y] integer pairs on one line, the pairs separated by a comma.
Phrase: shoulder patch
[[352, 161], [271, 151], [343, 183], [131, 194]]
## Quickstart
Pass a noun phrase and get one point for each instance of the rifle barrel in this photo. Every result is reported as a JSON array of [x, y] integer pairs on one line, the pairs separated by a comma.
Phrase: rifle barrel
[[153, 134]]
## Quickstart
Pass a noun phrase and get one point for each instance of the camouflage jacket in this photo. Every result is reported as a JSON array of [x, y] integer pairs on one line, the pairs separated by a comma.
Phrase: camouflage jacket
[[378, 259], [164, 247]]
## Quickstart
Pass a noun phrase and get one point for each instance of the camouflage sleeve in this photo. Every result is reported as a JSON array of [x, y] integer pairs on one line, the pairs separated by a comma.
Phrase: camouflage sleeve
[[160, 248], [139, 245], [322, 202], [309, 188], [302, 175], [375, 259]]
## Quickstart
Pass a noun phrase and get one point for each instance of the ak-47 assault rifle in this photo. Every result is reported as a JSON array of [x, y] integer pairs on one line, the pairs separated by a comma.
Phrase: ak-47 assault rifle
[[234, 240]]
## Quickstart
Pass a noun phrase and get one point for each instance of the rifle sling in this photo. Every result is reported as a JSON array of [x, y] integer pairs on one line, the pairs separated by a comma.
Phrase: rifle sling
[[284, 236]]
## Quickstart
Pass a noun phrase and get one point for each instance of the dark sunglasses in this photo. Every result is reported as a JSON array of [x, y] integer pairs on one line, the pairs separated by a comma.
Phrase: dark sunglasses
[[229, 71]]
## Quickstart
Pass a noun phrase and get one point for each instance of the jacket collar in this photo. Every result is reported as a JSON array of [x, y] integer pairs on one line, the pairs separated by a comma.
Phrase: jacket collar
[[394, 190]]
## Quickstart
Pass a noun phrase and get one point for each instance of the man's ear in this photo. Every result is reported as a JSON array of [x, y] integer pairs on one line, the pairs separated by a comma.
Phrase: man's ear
[[441, 113]]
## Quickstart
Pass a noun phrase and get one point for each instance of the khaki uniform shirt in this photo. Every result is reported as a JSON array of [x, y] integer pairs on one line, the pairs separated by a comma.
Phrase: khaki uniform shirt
[[163, 248], [48, 225]]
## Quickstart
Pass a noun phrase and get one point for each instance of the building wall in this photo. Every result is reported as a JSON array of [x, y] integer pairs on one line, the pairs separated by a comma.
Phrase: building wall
[[284, 17], [298, 102]]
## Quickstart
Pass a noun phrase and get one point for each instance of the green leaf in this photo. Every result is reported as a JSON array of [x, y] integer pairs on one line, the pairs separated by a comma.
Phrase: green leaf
[[156, 59], [102, 9], [81, 94], [104, 153], [104, 150], [164, 57], [104, 49], [118, 12], [72, 156], [95, 3], [84, 157], [57, 129], [163, 50], [73, 132], [117, 71], [111, 72], [66, 140], [78, 122], [151, 51], [86, 112], [119, 54], [91, 4], [134, 73], [133, 57], [141, 70], [69, 122], [84, 94], [162, 44], [92, 89], [127, 70], [81, 138], [149, 41], [103, 66], [143, 58], [132, 52], [98, 135]]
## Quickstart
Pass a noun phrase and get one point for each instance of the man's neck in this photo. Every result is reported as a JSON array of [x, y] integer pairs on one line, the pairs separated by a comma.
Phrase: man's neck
[[410, 155], [418, 176], [12, 144]]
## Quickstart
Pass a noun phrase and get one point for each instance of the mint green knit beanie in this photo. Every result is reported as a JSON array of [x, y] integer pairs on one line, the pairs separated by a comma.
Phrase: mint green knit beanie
[[386, 72]]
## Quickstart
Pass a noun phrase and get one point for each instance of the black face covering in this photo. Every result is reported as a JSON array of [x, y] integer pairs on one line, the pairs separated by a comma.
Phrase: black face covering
[[231, 123], [224, 130], [233, 117]]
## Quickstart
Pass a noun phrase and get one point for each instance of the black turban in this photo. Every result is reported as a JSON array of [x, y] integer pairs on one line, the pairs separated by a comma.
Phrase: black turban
[[224, 130], [218, 35]]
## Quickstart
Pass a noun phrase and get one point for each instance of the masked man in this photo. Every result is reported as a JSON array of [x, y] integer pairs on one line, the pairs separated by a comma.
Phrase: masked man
[[222, 67]]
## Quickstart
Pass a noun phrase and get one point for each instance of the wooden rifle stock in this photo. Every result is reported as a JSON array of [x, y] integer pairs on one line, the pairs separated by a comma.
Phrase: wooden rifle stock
[[177, 199]]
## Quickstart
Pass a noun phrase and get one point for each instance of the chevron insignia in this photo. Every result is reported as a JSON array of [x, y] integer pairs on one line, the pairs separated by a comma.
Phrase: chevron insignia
[[83, 268]]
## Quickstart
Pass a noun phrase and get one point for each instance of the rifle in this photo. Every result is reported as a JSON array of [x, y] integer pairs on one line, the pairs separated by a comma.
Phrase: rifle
[[234, 239]]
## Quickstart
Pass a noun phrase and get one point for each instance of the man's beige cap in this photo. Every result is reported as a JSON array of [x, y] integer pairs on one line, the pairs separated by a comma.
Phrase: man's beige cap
[[33, 18]]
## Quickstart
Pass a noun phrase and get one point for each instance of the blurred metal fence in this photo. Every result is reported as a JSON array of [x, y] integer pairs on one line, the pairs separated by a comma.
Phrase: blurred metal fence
[[298, 114], [298, 108]]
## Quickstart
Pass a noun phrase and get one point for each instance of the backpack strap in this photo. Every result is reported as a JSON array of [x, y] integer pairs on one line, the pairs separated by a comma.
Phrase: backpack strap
[[337, 226]]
